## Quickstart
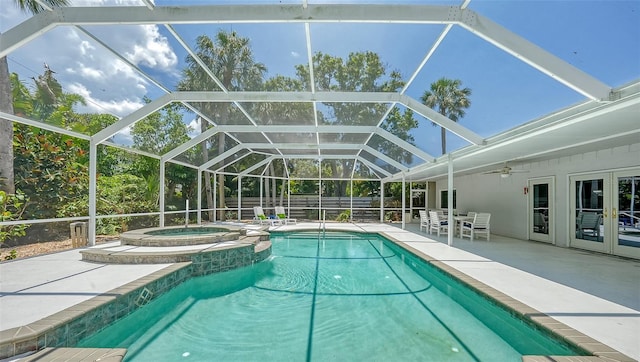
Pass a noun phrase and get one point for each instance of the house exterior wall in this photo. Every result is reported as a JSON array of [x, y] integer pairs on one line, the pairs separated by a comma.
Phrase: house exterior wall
[[504, 198]]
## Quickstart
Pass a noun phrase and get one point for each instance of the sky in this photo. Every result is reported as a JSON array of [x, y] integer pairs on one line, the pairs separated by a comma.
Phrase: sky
[[601, 38]]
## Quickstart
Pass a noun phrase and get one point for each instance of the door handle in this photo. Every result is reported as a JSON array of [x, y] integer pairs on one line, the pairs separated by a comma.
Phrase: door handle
[[614, 212], [605, 213]]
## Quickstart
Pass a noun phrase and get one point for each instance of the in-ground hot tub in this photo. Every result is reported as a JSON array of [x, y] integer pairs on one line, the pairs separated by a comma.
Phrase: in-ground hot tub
[[181, 236]]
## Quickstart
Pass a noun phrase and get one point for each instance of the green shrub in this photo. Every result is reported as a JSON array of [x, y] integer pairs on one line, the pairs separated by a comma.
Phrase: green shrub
[[11, 208], [344, 216]]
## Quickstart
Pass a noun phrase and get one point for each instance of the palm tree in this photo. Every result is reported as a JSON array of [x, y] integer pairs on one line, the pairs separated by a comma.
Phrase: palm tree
[[6, 101], [450, 100], [230, 58]]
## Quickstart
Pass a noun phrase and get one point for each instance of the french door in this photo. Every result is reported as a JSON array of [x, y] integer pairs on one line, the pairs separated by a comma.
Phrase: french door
[[541, 212], [605, 212]]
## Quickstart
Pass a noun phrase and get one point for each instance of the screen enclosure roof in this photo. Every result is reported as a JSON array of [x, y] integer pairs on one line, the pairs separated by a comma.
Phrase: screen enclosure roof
[[332, 82]]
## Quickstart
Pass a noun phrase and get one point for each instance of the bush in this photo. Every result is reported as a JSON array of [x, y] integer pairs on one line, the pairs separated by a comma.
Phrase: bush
[[11, 208], [344, 216]]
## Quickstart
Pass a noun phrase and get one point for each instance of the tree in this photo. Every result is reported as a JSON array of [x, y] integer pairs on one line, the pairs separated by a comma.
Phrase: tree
[[50, 168], [6, 102], [360, 72], [159, 133], [450, 99], [230, 58]]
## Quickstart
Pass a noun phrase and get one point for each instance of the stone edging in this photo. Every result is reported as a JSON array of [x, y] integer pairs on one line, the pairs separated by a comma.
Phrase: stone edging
[[144, 237]]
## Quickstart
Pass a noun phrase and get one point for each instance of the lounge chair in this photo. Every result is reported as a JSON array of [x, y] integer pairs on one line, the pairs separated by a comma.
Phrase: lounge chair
[[282, 215], [261, 218], [589, 225], [424, 220], [437, 223], [480, 225]]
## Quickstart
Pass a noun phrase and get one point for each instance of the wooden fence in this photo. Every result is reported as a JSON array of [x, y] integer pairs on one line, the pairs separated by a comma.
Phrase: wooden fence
[[306, 207]]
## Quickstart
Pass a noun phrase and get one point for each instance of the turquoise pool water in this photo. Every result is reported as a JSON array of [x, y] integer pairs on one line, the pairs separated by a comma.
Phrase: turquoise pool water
[[341, 297]]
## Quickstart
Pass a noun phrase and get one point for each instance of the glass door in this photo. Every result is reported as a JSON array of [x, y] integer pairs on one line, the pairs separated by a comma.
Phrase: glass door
[[606, 212], [626, 213], [590, 212], [541, 196]]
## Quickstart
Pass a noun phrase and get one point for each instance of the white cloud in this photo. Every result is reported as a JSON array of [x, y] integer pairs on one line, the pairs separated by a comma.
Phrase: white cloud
[[96, 105], [194, 127], [123, 137], [295, 54], [86, 48], [85, 67], [153, 50], [90, 73]]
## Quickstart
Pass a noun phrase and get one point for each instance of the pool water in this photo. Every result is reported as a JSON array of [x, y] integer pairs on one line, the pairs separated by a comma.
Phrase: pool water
[[339, 297]]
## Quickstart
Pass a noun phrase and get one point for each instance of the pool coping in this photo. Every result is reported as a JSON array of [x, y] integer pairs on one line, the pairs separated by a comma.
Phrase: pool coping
[[144, 237], [600, 351], [77, 355]]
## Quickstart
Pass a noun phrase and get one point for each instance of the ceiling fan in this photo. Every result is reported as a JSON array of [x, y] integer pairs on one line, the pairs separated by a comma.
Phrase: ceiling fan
[[505, 171]]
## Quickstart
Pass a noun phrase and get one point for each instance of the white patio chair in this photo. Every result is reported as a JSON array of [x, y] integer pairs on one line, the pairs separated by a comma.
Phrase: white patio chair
[[261, 218], [282, 215], [437, 223], [424, 220], [480, 225]]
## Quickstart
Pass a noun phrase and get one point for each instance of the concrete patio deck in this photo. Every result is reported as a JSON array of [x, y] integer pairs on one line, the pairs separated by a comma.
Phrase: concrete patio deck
[[595, 294]]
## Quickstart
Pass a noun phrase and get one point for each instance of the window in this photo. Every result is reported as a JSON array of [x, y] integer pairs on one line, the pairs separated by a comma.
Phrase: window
[[444, 199]]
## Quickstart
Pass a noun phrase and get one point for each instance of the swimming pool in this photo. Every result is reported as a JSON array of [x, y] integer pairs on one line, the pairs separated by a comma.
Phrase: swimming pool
[[341, 296]]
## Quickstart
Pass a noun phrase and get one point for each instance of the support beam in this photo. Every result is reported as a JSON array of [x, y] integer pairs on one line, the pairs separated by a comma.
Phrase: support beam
[[385, 158], [237, 159], [191, 143], [404, 144], [441, 120], [381, 201], [220, 14], [535, 56], [199, 197], [162, 192], [294, 128], [123, 59], [215, 198], [93, 180], [239, 198], [132, 118], [257, 166], [222, 156], [404, 191], [451, 224], [289, 97], [373, 166], [45, 126]]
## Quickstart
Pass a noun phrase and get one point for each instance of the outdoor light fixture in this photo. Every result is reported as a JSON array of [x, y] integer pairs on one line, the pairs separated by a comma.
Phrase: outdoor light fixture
[[505, 175]]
